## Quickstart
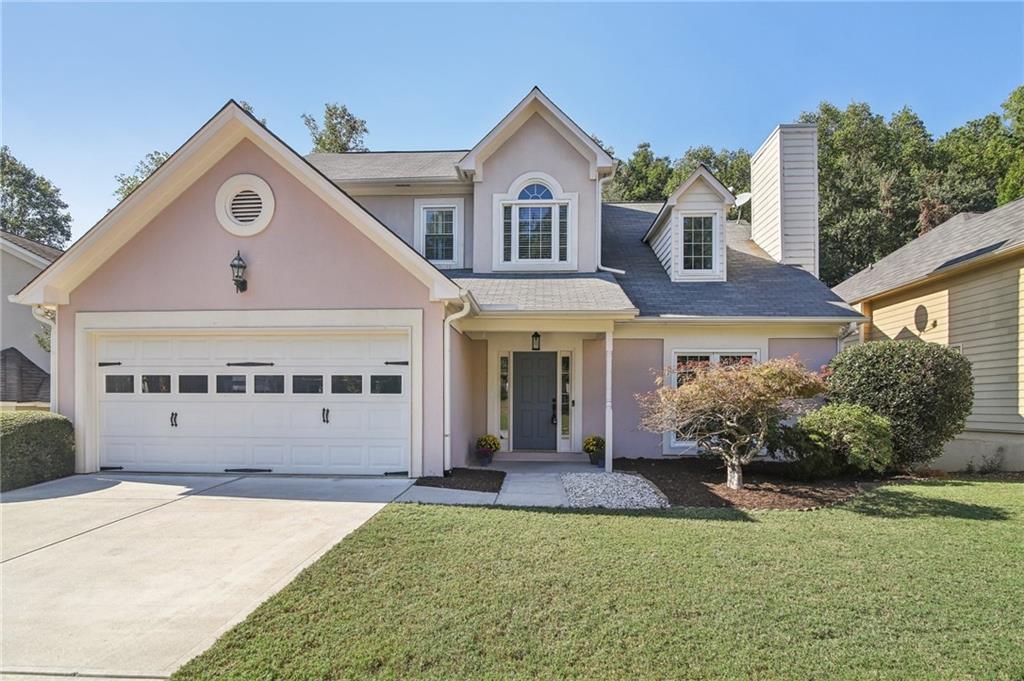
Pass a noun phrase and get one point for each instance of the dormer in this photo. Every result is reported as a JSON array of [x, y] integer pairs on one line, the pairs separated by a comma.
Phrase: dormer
[[688, 233], [536, 192]]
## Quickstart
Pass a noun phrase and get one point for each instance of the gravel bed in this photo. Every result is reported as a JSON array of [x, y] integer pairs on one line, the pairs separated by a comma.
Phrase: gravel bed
[[611, 490]]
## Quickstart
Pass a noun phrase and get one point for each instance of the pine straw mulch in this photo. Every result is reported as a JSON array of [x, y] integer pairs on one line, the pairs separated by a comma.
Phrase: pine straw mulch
[[472, 479], [701, 483]]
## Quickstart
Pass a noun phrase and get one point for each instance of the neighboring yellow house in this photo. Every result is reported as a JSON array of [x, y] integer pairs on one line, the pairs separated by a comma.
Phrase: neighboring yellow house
[[961, 285]]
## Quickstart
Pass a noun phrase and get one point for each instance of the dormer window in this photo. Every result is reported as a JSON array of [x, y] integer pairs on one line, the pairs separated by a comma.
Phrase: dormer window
[[698, 243], [537, 226]]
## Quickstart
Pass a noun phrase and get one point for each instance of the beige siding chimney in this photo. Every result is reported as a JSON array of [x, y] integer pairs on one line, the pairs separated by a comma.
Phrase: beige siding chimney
[[784, 202]]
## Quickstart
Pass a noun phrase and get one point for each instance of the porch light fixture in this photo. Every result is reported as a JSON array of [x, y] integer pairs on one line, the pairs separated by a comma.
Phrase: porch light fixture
[[536, 340], [238, 273]]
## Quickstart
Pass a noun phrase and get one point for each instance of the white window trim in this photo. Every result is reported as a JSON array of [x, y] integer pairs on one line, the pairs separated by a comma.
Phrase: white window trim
[[717, 272], [500, 201], [673, 442], [457, 205]]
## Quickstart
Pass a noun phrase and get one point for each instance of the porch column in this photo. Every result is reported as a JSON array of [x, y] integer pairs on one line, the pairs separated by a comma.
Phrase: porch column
[[608, 400]]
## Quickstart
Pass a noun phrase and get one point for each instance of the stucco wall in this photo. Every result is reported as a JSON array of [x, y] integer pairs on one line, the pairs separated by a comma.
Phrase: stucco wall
[[535, 147], [814, 353], [17, 325], [469, 390], [399, 213], [307, 258], [593, 387]]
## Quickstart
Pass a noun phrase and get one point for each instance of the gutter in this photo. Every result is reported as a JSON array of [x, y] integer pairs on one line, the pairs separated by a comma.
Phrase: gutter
[[467, 307], [694, 319], [600, 228]]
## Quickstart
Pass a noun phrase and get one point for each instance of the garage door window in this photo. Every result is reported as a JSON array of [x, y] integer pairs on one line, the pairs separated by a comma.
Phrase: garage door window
[[307, 385], [386, 385], [120, 384], [156, 383], [268, 384], [347, 385], [193, 383], [234, 383]]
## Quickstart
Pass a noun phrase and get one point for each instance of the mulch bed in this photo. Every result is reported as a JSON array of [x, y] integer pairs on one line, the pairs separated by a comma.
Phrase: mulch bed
[[701, 483], [472, 479]]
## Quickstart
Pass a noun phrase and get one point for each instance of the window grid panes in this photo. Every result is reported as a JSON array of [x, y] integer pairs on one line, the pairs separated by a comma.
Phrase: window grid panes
[[686, 366], [534, 232], [156, 383], [507, 235], [439, 234], [535, 192], [347, 385], [503, 394], [566, 384], [563, 233], [698, 243]]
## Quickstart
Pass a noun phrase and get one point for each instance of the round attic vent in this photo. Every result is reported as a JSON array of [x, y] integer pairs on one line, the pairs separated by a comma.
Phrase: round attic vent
[[245, 205]]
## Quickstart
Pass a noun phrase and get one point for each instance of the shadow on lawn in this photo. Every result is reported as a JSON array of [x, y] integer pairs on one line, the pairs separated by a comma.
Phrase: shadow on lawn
[[885, 502], [677, 513]]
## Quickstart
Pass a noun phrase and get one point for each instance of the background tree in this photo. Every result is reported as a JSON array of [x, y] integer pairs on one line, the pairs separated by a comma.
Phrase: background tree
[[641, 178], [341, 130], [247, 107], [732, 168], [30, 205], [127, 182], [730, 410]]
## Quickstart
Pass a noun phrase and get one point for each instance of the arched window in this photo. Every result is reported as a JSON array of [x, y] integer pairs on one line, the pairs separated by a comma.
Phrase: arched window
[[535, 192]]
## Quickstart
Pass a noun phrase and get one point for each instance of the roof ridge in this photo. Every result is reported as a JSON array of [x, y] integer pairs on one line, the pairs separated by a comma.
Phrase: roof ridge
[[387, 151]]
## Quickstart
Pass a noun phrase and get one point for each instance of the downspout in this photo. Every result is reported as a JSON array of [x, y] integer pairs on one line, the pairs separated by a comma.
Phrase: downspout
[[466, 307], [41, 317], [600, 228]]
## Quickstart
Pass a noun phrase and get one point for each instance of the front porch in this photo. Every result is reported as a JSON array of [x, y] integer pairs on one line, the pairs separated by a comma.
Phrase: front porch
[[540, 385]]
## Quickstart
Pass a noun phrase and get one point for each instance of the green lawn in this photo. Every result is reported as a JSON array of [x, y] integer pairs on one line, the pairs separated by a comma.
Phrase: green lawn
[[910, 581]]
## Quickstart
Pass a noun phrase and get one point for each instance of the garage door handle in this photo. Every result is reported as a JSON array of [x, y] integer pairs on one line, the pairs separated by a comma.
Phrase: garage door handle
[[327, 415], [174, 419], [323, 415]]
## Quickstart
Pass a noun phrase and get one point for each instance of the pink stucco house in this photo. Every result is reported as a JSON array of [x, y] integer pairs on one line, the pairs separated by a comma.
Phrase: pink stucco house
[[248, 308]]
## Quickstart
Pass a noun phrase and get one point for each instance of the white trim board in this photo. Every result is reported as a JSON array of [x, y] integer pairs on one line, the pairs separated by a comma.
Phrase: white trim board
[[90, 325]]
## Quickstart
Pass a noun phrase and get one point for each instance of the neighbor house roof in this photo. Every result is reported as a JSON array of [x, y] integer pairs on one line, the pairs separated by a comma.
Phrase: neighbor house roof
[[369, 166], [757, 285], [21, 380], [964, 238], [47, 253], [530, 292]]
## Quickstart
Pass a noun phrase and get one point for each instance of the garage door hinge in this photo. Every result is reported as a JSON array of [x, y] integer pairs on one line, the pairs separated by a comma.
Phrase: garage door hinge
[[110, 364], [111, 468], [248, 470], [250, 364], [397, 364]]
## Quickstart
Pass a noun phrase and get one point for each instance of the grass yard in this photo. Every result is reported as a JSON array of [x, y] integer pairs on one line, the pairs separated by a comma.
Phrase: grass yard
[[911, 581]]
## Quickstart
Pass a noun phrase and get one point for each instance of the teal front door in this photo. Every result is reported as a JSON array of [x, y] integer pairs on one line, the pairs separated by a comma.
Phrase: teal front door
[[534, 402]]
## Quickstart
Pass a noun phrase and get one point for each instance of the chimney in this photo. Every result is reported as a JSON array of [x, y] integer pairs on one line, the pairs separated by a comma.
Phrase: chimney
[[784, 201]]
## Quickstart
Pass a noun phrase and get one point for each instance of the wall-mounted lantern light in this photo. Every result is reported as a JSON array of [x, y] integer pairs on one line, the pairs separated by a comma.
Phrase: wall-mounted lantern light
[[536, 340], [238, 273]]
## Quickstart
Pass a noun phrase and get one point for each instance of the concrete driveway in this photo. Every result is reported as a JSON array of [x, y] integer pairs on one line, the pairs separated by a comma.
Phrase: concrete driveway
[[133, 575]]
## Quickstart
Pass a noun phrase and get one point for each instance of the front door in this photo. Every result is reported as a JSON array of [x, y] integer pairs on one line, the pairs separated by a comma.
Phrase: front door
[[534, 401]]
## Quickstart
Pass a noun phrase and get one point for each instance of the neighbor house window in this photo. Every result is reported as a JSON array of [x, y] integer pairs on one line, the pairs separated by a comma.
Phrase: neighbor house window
[[439, 230], [535, 226], [698, 243]]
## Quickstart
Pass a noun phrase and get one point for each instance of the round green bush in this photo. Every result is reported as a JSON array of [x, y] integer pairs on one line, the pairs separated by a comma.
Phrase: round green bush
[[839, 438], [35, 446], [925, 390]]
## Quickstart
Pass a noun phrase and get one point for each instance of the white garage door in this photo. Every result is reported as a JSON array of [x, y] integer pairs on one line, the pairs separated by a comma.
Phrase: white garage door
[[330, 404]]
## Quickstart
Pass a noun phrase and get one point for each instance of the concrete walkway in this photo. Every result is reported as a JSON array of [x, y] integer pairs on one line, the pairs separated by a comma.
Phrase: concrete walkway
[[527, 483], [132, 575]]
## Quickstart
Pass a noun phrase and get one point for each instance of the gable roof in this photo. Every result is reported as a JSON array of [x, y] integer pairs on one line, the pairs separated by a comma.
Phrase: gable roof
[[394, 166], [966, 238], [210, 143], [758, 288], [701, 172], [38, 253], [537, 102]]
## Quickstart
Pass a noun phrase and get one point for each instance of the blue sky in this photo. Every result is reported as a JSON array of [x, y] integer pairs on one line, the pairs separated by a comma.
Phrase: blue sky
[[88, 89]]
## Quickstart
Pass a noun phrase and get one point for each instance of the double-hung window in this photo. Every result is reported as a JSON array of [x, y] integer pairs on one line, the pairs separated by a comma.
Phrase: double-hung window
[[439, 231], [688, 362], [535, 227], [698, 242]]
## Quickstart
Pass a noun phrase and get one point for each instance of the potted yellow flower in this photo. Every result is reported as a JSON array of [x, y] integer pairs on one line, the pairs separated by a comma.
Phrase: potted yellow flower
[[486, 445], [594, 446]]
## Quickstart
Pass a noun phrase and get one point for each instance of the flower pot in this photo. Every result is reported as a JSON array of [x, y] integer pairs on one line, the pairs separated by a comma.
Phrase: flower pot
[[596, 459], [484, 456]]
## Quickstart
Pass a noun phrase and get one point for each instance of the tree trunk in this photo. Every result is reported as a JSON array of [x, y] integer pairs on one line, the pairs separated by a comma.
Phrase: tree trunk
[[734, 475]]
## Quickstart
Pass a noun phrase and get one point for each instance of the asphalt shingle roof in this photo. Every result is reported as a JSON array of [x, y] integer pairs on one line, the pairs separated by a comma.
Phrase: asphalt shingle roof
[[960, 239], [594, 292], [757, 286], [42, 250], [388, 165]]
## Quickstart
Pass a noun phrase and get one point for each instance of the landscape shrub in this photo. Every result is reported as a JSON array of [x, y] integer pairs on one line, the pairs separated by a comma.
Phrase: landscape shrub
[[838, 439], [925, 390], [35, 446]]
